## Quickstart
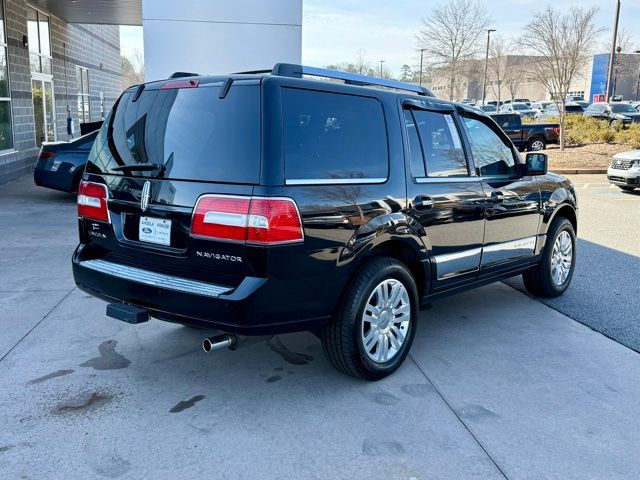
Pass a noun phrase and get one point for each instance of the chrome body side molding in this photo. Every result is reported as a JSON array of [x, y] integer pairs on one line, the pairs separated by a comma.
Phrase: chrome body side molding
[[457, 263], [500, 252], [467, 261]]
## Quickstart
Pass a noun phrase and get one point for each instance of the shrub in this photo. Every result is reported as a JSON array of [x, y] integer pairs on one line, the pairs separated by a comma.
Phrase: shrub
[[630, 136]]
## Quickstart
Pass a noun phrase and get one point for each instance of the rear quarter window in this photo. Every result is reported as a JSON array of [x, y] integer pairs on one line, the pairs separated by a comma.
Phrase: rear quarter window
[[331, 136]]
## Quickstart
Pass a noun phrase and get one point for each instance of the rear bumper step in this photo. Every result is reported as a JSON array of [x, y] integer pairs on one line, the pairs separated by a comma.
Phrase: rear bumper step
[[154, 279]]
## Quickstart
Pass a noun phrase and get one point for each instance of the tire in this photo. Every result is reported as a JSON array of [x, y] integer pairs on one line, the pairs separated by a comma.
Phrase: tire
[[541, 281], [627, 189], [344, 338], [536, 145]]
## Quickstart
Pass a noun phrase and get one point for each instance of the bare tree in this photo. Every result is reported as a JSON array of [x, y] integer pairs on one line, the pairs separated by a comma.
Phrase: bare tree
[[132, 69], [512, 78], [451, 36], [562, 45], [363, 64], [499, 69]]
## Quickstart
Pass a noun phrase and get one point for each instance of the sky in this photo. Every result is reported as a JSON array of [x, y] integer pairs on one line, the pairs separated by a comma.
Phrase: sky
[[334, 30]]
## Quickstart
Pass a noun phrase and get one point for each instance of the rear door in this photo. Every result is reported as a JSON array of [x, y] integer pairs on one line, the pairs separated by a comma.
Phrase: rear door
[[160, 150], [445, 197]]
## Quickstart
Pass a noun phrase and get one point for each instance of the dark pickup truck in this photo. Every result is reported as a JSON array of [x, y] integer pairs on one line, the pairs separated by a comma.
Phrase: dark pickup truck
[[529, 136]]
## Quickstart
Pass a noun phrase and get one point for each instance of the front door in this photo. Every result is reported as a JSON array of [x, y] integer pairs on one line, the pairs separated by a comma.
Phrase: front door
[[444, 196], [43, 109], [512, 201]]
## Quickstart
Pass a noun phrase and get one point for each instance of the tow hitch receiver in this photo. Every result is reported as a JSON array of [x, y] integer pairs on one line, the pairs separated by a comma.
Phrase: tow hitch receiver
[[127, 313]]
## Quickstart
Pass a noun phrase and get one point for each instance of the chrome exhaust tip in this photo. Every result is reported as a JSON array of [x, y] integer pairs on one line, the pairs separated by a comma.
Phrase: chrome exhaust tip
[[218, 342]]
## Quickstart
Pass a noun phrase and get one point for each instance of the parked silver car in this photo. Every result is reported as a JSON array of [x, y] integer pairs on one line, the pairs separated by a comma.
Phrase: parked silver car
[[521, 109], [624, 170]]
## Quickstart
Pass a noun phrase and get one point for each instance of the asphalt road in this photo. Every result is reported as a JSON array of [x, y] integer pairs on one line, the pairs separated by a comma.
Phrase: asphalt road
[[497, 385], [605, 291]]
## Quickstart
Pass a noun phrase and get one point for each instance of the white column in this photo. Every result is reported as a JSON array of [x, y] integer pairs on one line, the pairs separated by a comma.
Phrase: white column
[[219, 36]]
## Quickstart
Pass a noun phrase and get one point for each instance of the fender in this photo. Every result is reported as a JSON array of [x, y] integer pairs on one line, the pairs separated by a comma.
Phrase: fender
[[556, 200], [395, 234]]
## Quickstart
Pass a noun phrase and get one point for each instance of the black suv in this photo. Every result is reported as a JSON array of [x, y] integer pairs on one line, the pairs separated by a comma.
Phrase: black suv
[[271, 202]]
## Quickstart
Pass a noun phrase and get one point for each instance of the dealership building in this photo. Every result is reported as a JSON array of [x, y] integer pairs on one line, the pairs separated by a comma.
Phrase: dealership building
[[50, 69], [60, 59]]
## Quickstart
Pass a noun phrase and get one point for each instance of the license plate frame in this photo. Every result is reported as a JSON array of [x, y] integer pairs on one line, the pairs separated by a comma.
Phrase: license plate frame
[[155, 230]]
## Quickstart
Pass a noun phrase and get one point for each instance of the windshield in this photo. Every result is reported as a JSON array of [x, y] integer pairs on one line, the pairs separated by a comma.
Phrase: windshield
[[623, 108], [188, 133], [520, 106]]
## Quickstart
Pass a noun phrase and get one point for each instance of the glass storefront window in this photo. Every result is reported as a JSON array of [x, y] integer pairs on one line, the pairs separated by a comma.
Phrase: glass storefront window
[[39, 41], [6, 124]]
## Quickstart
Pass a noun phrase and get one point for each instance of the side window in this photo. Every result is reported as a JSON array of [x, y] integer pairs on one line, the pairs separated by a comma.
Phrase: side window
[[492, 154], [441, 144], [330, 136], [415, 149]]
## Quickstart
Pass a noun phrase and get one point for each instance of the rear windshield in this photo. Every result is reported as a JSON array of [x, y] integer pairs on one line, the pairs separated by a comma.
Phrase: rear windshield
[[189, 133], [573, 108]]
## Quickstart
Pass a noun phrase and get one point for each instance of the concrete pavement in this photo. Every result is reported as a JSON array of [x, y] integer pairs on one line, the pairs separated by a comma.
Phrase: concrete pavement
[[605, 291], [498, 385]]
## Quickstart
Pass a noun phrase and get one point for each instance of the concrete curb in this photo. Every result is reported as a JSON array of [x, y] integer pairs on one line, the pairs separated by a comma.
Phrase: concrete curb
[[575, 171]]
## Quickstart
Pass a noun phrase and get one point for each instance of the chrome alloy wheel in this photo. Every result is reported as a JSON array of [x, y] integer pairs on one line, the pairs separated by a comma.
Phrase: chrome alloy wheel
[[537, 145], [385, 320], [561, 258]]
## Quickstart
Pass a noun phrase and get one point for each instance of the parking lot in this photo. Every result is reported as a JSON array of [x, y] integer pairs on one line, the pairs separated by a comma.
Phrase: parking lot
[[498, 385]]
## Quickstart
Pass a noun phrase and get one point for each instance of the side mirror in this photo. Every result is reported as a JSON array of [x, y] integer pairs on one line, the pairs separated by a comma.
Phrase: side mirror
[[536, 164]]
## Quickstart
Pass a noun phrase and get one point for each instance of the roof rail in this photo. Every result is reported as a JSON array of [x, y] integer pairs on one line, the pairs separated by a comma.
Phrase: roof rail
[[253, 72], [292, 70], [184, 74]]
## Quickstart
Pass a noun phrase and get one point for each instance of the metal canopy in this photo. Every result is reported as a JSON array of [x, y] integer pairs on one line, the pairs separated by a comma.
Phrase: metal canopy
[[99, 12]]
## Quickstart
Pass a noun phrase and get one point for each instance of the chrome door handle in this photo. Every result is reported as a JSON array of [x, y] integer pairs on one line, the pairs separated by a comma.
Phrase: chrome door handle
[[423, 202], [497, 197]]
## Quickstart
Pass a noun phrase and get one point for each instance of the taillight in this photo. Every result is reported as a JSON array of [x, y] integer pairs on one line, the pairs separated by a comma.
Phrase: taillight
[[46, 154], [556, 130], [221, 217], [261, 220], [92, 201]]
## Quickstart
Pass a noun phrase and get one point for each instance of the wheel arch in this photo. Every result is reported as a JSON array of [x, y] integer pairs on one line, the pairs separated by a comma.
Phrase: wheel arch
[[566, 211]]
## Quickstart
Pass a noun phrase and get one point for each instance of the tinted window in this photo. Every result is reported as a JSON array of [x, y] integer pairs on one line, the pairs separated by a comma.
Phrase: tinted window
[[622, 108], [415, 149], [491, 153], [333, 136], [520, 107], [508, 122], [573, 108], [190, 132], [441, 144]]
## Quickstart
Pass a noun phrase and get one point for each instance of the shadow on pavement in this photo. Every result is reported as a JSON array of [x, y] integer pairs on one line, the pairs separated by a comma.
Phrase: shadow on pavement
[[603, 293]]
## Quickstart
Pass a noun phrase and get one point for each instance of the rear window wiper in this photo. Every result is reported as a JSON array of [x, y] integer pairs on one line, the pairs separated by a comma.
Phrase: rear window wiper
[[142, 167]]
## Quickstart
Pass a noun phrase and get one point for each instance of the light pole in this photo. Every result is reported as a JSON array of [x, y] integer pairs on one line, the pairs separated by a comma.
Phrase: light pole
[[420, 74], [486, 66], [615, 75], [613, 51], [381, 62], [638, 84]]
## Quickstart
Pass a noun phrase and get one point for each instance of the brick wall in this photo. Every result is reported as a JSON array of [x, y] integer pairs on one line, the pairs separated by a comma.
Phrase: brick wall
[[95, 47]]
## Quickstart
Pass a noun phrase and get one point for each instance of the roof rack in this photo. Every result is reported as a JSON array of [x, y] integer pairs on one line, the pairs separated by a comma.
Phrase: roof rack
[[292, 70]]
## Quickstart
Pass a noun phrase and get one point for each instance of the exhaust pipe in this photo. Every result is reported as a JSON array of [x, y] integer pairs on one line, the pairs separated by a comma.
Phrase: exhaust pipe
[[218, 342], [230, 341]]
